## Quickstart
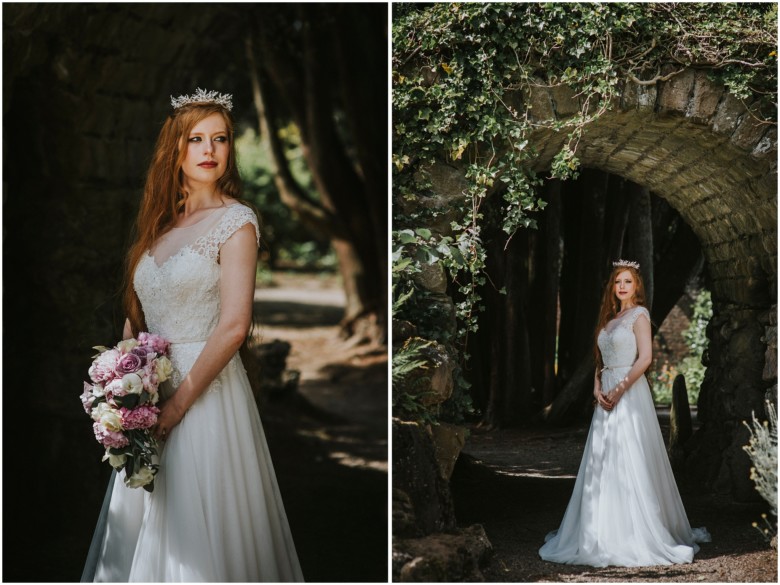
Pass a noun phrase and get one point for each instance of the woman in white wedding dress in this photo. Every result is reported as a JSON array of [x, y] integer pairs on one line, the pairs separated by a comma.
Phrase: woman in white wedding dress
[[215, 513], [625, 509]]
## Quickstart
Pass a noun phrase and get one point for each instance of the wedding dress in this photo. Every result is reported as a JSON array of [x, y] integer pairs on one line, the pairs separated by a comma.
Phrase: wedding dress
[[216, 513], [625, 509]]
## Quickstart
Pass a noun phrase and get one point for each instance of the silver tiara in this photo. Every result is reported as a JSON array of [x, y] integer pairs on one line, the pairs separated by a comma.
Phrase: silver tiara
[[626, 263], [202, 96]]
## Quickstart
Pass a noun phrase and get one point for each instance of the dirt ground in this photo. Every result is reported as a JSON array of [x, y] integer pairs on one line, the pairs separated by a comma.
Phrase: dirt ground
[[328, 440], [517, 483]]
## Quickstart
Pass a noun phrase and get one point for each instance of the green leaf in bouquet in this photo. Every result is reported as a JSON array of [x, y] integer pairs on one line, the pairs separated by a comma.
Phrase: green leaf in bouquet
[[144, 397], [129, 464], [100, 348], [128, 400]]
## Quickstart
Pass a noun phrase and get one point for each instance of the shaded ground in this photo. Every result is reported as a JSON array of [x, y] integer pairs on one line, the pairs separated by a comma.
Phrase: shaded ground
[[329, 441], [517, 483]]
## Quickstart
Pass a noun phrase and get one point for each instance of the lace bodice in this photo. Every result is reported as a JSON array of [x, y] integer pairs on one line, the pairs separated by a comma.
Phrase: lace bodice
[[179, 288], [617, 341]]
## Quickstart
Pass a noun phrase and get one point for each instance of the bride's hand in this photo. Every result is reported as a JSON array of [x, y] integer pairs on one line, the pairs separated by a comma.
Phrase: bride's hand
[[603, 401], [616, 393], [170, 415]]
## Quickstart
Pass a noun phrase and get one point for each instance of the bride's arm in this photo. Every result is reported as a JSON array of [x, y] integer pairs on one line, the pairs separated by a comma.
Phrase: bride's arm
[[127, 333], [238, 257], [644, 346]]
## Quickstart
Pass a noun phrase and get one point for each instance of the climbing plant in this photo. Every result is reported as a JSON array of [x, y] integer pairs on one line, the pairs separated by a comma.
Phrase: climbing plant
[[463, 80]]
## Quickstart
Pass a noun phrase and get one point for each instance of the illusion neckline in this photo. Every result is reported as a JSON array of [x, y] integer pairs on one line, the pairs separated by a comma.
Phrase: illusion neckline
[[200, 221]]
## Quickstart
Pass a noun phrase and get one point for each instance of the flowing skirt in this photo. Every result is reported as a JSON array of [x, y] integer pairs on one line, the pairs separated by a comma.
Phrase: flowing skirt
[[625, 509], [216, 513]]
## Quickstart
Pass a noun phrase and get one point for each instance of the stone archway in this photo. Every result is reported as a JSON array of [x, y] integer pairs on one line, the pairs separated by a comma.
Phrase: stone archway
[[691, 142]]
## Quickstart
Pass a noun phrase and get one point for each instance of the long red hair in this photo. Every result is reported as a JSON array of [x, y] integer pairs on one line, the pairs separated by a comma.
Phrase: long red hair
[[164, 194], [610, 304]]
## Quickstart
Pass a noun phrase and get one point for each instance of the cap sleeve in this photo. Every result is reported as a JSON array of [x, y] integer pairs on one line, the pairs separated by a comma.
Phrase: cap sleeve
[[234, 219], [635, 315]]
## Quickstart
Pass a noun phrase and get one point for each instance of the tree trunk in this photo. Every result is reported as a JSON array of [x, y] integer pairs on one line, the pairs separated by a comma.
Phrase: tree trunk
[[640, 237], [552, 264], [349, 211]]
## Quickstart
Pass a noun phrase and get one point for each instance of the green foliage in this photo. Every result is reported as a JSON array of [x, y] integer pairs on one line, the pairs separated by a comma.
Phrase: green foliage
[[408, 379], [287, 240], [469, 81], [691, 366]]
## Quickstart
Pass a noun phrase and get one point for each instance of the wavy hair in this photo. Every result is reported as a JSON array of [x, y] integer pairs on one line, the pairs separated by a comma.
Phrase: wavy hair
[[610, 305], [164, 194]]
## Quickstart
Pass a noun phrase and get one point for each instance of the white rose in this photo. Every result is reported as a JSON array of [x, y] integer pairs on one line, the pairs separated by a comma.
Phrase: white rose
[[115, 461], [127, 345], [163, 368], [132, 384], [140, 479], [107, 416], [115, 387]]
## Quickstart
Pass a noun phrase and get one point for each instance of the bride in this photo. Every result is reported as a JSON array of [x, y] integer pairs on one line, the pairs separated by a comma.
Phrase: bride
[[625, 509], [216, 513]]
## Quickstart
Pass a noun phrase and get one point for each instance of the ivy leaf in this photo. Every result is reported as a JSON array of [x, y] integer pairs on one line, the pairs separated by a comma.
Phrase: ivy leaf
[[407, 237], [424, 233]]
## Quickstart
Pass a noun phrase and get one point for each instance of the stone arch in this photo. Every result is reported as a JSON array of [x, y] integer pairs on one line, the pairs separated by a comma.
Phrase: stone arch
[[691, 142]]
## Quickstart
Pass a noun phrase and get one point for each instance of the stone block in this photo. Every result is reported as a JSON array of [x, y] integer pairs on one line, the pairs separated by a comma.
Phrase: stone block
[[727, 115], [646, 97], [563, 102], [675, 93], [432, 278], [434, 382], [705, 99], [443, 558], [448, 442], [767, 146], [748, 133], [416, 473], [540, 103]]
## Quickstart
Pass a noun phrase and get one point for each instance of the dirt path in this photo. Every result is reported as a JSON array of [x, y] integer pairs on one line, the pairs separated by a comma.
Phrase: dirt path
[[517, 483], [329, 441]]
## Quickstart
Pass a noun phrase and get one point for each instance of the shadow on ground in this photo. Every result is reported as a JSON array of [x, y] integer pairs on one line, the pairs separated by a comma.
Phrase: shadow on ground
[[517, 483]]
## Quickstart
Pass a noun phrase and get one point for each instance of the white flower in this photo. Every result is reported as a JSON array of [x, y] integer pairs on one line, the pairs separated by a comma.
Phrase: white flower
[[163, 368], [132, 384], [115, 387], [98, 391], [140, 479], [115, 461], [107, 416], [126, 345]]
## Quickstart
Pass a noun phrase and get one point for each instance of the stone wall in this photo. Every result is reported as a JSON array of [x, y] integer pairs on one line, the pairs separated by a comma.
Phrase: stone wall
[[691, 142]]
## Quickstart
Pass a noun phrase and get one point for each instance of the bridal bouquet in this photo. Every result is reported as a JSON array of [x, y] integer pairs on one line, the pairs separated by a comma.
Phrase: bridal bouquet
[[121, 400]]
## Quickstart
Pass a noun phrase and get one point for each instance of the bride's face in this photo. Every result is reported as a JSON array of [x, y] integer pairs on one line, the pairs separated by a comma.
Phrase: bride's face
[[625, 287], [207, 151]]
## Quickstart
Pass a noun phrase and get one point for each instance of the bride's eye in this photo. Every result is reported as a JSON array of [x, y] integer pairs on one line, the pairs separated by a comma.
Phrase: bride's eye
[[221, 139], [194, 139]]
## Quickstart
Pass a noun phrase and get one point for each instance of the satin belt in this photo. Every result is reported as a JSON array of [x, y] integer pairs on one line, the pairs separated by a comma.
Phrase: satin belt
[[185, 341], [615, 367]]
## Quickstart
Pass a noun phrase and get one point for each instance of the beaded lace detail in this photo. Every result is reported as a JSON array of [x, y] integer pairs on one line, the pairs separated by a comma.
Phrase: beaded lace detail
[[180, 296], [617, 341]]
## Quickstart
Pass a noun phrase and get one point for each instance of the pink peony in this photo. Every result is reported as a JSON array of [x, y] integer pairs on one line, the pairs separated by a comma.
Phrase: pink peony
[[87, 398], [157, 343], [109, 438], [102, 369], [128, 364], [142, 417]]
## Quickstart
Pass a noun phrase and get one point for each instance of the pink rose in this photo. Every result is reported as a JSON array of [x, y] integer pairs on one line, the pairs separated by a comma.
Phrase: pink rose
[[144, 353], [150, 378], [102, 369], [157, 343], [109, 438], [128, 364], [142, 417]]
